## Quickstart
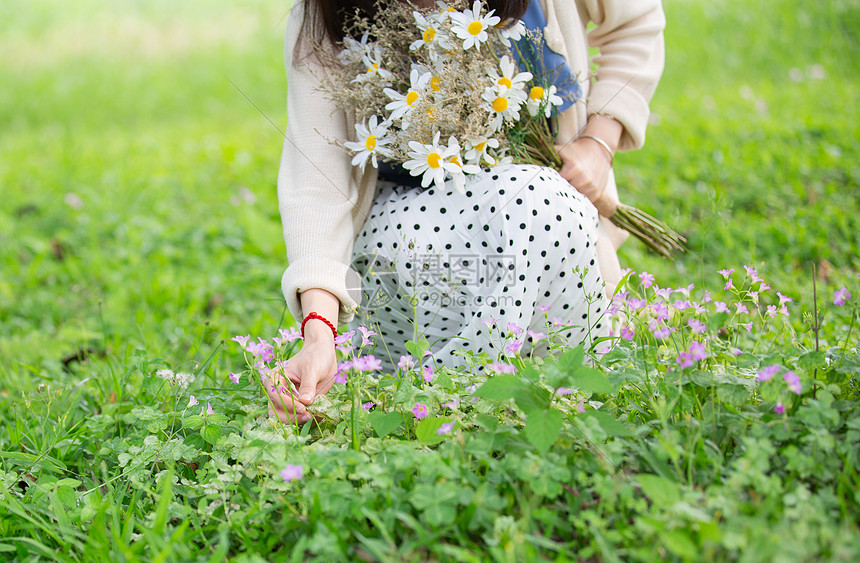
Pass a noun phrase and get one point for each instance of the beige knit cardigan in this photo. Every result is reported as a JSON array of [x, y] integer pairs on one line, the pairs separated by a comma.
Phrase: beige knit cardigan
[[324, 201]]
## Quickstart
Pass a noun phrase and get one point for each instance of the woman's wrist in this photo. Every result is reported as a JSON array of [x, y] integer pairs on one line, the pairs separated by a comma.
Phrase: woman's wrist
[[606, 129]]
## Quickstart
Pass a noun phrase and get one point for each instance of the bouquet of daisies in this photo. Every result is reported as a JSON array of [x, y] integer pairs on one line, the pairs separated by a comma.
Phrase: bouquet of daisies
[[452, 91]]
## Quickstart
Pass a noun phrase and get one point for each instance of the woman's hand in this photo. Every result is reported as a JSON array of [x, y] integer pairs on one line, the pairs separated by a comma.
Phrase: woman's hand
[[585, 162], [310, 373]]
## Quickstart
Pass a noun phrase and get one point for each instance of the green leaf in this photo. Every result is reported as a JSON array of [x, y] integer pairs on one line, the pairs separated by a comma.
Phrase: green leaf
[[733, 394], [425, 430], [811, 361], [543, 428], [662, 492], [193, 422], [67, 496], [405, 392], [718, 321], [501, 387], [610, 425], [384, 423], [418, 348], [211, 433], [590, 380]]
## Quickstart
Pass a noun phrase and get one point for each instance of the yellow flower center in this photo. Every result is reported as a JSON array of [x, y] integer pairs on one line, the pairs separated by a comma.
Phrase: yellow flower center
[[428, 35], [431, 114], [536, 93], [480, 146], [505, 81], [434, 160], [451, 9], [434, 83], [500, 104], [475, 28], [370, 143], [456, 161], [373, 68], [411, 97]]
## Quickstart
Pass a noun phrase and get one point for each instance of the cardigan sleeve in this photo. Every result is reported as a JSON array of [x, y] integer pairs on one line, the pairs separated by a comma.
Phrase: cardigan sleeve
[[629, 37], [317, 193]]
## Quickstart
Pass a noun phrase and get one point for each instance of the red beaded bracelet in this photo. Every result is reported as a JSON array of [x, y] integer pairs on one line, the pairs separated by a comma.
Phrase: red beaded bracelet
[[313, 315]]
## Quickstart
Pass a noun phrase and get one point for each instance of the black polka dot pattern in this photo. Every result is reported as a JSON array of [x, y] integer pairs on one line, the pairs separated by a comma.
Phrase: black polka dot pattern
[[513, 242]]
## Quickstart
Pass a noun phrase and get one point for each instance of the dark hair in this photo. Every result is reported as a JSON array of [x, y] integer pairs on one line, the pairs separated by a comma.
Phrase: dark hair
[[327, 19]]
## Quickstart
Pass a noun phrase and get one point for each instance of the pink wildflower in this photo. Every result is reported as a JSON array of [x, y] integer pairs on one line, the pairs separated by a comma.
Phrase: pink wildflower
[[543, 308], [536, 336], [707, 297], [420, 411], [771, 311], [290, 335], [562, 391], [556, 322], [779, 408], [661, 310], [697, 351], [501, 367], [514, 347], [491, 321], [793, 382], [720, 307], [580, 406], [406, 362], [445, 429], [767, 373], [841, 296], [452, 404], [367, 363], [664, 292], [729, 285], [741, 308], [192, 401], [368, 406], [428, 374], [684, 360], [366, 333], [627, 333], [682, 305], [636, 303], [646, 279], [235, 378], [513, 328], [783, 299], [242, 340], [747, 326], [726, 273], [292, 472]]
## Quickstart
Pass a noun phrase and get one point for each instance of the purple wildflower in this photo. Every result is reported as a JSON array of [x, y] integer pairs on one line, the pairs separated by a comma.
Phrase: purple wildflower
[[779, 408], [767, 373], [627, 333], [514, 347], [368, 406], [536, 336], [726, 273], [406, 362], [366, 333], [660, 331], [783, 299], [707, 297], [697, 351], [556, 322], [491, 321], [543, 308], [420, 411], [580, 406], [513, 328], [664, 292], [428, 373], [192, 401], [682, 305], [771, 311], [729, 285], [647, 279], [793, 382], [684, 360], [452, 404], [367, 363], [445, 428], [741, 308], [562, 391], [661, 310], [750, 271], [290, 335], [235, 378], [841, 296], [747, 326], [720, 307], [501, 367], [242, 340], [636, 303], [292, 472]]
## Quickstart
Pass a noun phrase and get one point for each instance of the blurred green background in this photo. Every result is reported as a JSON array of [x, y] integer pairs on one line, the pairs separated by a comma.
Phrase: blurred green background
[[139, 213]]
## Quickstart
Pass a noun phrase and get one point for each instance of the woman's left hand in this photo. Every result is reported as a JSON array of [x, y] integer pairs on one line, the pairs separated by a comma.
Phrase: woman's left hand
[[586, 165]]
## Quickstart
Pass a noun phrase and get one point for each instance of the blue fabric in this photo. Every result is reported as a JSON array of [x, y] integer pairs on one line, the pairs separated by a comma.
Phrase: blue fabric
[[544, 63]]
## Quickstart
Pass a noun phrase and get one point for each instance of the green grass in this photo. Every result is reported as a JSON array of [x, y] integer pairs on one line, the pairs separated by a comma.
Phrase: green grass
[[139, 229]]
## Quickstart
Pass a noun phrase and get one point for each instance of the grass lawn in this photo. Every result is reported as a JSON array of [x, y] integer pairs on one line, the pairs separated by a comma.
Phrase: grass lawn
[[139, 230]]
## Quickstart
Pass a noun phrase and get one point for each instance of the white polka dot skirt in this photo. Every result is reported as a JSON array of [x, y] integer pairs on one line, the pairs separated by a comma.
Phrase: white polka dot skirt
[[507, 262]]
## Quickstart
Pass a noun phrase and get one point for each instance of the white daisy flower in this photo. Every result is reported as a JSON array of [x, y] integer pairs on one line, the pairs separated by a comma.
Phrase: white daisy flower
[[541, 97], [477, 150], [471, 26], [431, 161], [511, 77], [371, 142], [432, 33], [353, 51], [503, 105], [371, 59], [458, 175], [403, 103], [513, 33]]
